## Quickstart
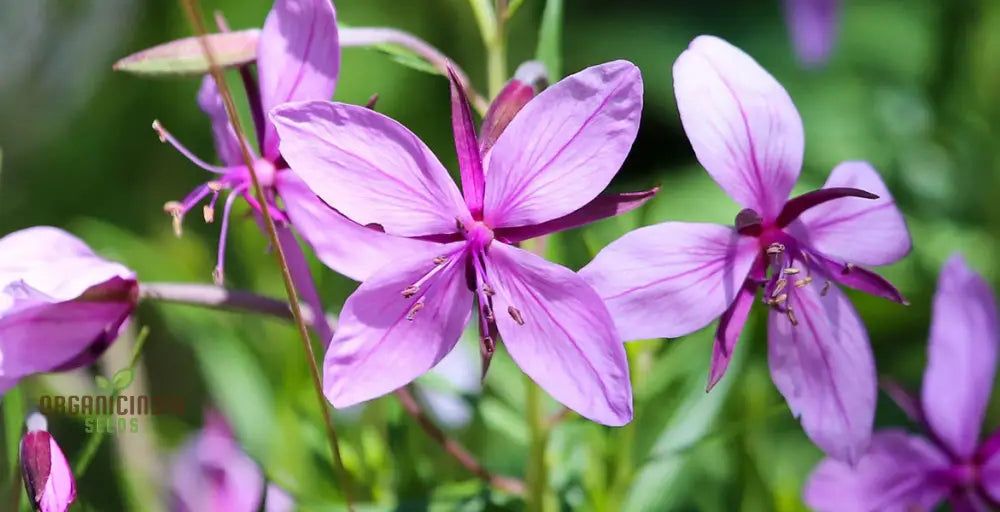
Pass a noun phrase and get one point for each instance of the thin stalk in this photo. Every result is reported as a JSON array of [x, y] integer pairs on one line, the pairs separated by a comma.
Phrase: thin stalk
[[537, 474], [193, 11], [496, 52], [216, 297]]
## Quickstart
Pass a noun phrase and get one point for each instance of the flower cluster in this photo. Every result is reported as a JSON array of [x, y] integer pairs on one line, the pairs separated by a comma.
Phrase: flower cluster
[[374, 203]]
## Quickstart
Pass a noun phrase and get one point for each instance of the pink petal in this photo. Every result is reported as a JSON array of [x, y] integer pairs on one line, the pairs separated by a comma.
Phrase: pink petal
[[45, 337], [211, 472], [278, 500], [813, 27], [961, 357], [48, 479], [298, 57], [865, 231], [564, 146], [470, 164], [670, 279], [226, 144], [381, 344], [54, 262], [602, 207], [728, 332], [893, 475], [369, 167], [825, 369], [567, 342], [741, 122], [343, 245]]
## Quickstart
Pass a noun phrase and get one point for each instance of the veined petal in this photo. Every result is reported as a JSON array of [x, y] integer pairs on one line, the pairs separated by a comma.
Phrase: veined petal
[[670, 279], [557, 330], [961, 357], [343, 245], [858, 230], [564, 146], [813, 27], [226, 144], [54, 262], [728, 332], [741, 122], [894, 475], [298, 57], [48, 479], [470, 164], [384, 340], [602, 207], [823, 365], [369, 167]]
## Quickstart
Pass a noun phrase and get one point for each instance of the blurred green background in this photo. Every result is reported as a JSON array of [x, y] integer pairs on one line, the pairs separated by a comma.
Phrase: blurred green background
[[913, 86]]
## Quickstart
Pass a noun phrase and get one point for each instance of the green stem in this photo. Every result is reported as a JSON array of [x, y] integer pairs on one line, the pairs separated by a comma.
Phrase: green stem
[[537, 474], [496, 53]]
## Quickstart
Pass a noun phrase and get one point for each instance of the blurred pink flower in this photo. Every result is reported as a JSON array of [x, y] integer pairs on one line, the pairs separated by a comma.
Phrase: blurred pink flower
[[298, 59], [61, 305], [48, 479], [909, 472], [674, 278], [543, 174], [812, 25], [211, 472]]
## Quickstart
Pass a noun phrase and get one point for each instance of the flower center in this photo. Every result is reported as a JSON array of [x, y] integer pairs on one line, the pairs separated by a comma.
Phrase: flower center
[[479, 235], [783, 269]]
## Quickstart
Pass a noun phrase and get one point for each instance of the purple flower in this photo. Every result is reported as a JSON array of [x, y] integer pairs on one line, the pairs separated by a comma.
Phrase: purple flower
[[61, 305], [543, 174], [48, 479], [812, 25], [909, 472], [298, 59], [211, 472], [671, 279]]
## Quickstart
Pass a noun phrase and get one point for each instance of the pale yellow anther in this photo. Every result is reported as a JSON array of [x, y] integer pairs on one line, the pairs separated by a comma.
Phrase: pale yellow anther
[[440, 259], [778, 286], [410, 291], [209, 213], [791, 316], [803, 282], [780, 299], [776, 248], [218, 277], [515, 314], [214, 186], [791, 271], [414, 310]]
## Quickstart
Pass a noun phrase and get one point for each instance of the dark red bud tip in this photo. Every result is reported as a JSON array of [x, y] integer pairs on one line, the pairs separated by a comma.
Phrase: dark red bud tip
[[36, 464], [796, 205], [371, 102], [748, 222]]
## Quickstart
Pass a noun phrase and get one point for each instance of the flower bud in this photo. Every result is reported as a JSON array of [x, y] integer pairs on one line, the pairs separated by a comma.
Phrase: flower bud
[[47, 476]]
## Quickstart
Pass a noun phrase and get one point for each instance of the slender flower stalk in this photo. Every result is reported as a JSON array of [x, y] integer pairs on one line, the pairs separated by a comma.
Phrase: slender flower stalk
[[194, 16]]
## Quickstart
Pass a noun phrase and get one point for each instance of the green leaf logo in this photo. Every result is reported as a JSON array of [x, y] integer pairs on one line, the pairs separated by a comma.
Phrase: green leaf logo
[[122, 379]]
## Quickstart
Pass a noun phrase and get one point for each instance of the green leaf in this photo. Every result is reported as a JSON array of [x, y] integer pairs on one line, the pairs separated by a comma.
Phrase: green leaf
[[185, 56], [102, 382], [122, 379], [550, 38], [407, 57], [486, 18]]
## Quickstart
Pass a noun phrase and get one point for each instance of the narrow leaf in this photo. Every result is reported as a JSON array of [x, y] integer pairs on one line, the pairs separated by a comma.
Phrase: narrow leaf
[[550, 38], [185, 56], [512, 8]]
